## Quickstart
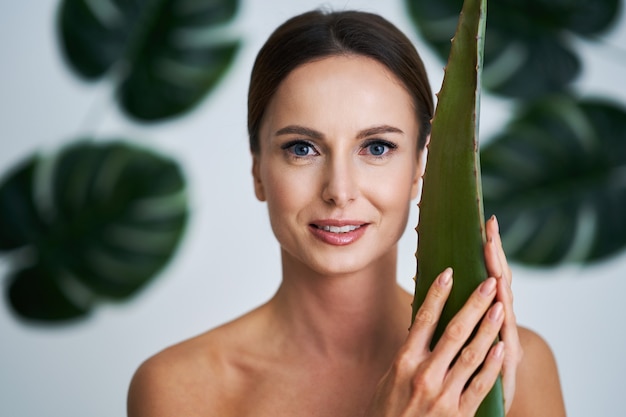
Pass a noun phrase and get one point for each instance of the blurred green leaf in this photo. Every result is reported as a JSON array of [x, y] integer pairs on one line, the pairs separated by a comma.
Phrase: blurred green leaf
[[166, 55], [35, 293], [94, 222], [556, 179], [19, 221], [528, 49]]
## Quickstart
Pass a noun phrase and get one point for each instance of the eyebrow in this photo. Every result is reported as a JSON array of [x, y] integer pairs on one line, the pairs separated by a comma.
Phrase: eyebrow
[[377, 130], [314, 134], [299, 130]]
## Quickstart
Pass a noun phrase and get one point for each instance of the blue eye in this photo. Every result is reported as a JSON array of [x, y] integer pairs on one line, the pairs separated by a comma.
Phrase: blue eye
[[301, 149], [378, 148]]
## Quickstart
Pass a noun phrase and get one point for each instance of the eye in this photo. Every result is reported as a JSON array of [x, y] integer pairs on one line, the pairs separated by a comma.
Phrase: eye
[[378, 147], [300, 148]]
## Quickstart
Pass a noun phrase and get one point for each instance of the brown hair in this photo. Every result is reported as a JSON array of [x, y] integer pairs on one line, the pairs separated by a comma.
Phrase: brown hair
[[318, 34]]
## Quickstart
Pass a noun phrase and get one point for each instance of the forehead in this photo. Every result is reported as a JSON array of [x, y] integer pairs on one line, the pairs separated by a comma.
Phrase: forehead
[[350, 90]]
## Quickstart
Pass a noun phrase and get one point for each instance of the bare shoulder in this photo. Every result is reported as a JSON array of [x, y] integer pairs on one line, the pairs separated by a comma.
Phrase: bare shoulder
[[538, 387], [164, 384], [195, 377]]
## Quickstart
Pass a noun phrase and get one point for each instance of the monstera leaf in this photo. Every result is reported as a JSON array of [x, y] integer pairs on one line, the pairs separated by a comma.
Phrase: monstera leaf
[[164, 55], [94, 222], [528, 48], [556, 179]]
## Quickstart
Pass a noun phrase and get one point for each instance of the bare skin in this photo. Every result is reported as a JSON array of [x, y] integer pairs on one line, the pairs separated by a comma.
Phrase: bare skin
[[333, 340], [267, 363]]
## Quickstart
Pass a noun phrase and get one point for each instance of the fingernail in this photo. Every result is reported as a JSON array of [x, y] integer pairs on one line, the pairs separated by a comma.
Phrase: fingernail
[[496, 312], [487, 287], [495, 222], [445, 277], [498, 350]]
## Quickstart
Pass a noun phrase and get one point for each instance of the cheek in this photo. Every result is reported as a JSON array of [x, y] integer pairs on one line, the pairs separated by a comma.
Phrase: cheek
[[287, 192], [394, 200], [289, 195], [397, 186]]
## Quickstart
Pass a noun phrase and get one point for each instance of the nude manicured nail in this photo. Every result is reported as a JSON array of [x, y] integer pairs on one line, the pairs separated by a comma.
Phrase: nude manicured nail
[[487, 287], [499, 350], [445, 276], [496, 312]]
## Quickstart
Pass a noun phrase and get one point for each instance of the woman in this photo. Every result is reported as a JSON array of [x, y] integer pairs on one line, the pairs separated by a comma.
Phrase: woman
[[339, 113]]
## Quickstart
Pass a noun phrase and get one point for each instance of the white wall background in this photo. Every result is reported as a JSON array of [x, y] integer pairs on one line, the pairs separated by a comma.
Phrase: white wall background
[[228, 262]]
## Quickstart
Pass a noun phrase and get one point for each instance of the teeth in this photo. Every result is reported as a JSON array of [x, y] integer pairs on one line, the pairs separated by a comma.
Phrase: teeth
[[337, 229]]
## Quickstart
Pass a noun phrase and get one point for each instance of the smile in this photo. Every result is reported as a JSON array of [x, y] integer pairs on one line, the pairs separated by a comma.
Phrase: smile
[[338, 229], [341, 233]]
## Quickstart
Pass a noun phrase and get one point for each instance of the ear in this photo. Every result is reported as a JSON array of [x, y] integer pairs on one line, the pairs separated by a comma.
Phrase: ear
[[422, 156], [259, 191]]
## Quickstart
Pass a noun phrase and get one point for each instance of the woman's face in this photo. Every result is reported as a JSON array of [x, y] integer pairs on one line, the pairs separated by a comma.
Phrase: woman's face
[[338, 164]]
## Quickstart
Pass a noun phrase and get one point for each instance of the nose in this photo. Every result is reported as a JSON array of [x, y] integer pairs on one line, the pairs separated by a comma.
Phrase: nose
[[340, 183]]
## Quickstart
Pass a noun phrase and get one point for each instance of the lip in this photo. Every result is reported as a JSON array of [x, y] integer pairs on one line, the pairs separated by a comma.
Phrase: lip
[[337, 239]]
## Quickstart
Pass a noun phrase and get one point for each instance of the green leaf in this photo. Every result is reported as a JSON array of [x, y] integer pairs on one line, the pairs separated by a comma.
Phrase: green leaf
[[101, 220], [19, 220], [556, 178], [528, 47], [34, 293], [451, 221], [165, 55]]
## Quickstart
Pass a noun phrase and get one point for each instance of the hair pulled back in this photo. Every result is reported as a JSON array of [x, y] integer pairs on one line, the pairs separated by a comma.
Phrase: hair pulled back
[[318, 34]]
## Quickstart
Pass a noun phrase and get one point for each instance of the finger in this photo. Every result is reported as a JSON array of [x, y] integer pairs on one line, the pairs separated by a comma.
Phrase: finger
[[473, 355], [464, 322], [495, 255], [510, 336], [509, 327], [492, 259], [505, 295], [483, 381], [493, 234], [427, 316], [509, 331]]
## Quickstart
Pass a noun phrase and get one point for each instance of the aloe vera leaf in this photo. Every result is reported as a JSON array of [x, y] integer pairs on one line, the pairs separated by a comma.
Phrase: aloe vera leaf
[[451, 229]]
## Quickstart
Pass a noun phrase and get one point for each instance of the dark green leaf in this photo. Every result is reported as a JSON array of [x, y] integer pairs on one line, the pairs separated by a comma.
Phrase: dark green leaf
[[166, 55], [19, 220], [107, 218], [34, 294], [556, 179], [528, 48]]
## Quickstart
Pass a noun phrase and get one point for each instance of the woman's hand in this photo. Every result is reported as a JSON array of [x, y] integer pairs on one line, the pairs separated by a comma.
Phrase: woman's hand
[[424, 383], [498, 267]]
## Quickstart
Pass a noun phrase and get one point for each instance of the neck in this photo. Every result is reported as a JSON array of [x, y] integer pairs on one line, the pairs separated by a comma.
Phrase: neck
[[360, 316]]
